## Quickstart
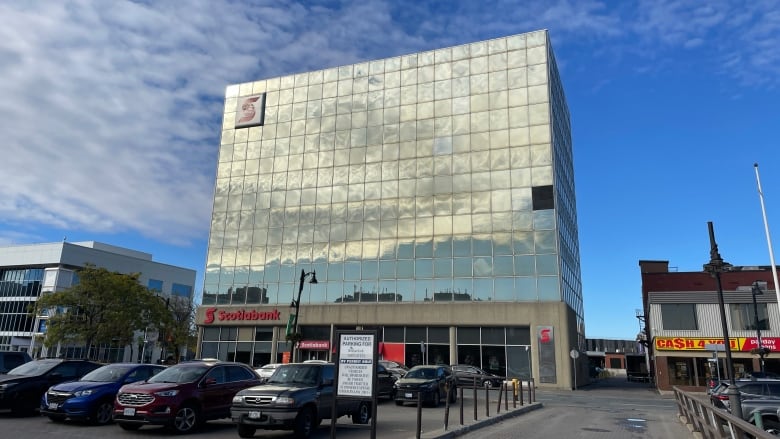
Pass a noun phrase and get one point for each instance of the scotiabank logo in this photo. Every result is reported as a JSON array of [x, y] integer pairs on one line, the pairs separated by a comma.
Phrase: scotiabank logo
[[545, 334], [212, 315]]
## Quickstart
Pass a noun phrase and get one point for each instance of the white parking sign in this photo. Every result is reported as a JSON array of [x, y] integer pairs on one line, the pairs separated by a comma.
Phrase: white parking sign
[[356, 365]]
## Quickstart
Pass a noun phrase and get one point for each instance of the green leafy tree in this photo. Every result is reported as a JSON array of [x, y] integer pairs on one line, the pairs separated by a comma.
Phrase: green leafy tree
[[104, 308]]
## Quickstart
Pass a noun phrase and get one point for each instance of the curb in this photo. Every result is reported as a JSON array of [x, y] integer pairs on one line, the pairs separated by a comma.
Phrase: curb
[[459, 430]]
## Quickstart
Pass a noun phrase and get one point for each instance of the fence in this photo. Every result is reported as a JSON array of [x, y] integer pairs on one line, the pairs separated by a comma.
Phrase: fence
[[710, 422], [509, 393]]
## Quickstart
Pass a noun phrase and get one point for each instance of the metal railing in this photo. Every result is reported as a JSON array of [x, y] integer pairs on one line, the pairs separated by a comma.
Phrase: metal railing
[[696, 410], [510, 392]]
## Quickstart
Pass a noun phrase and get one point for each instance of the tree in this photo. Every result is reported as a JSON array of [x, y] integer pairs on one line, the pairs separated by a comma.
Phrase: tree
[[180, 330], [103, 308]]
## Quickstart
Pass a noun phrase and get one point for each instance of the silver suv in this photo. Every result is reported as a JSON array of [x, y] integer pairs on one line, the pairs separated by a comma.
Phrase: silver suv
[[748, 389]]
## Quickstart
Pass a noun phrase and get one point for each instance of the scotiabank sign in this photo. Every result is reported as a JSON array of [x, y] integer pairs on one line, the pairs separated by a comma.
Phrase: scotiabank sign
[[215, 315], [744, 344]]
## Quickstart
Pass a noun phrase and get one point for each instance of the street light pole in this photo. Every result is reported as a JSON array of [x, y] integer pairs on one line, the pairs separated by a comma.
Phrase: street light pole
[[296, 304], [715, 267], [756, 290]]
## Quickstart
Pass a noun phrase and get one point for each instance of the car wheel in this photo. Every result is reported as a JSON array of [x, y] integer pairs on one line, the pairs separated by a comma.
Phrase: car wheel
[[186, 419], [103, 413], [487, 383], [399, 402], [772, 427], [130, 427], [246, 431], [362, 415], [304, 423]]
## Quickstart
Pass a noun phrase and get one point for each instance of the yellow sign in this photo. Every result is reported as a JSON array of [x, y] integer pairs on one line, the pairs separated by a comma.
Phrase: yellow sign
[[695, 344]]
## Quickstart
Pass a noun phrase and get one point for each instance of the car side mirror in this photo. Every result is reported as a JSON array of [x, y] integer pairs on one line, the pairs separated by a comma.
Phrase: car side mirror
[[55, 376], [210, 381]]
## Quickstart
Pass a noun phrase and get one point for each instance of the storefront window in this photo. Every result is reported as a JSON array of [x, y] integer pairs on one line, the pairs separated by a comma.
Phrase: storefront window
[[681, 371]]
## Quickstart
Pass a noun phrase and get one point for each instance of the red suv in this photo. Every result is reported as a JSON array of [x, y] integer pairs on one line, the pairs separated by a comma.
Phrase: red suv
[[183, 396]]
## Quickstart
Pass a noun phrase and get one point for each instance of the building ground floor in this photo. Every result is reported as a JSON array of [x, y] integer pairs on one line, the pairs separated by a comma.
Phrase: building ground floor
[[690, 363], [515, 340]]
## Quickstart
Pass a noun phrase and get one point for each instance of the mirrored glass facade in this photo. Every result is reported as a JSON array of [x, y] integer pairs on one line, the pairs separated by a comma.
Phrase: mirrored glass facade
[[433, 177]]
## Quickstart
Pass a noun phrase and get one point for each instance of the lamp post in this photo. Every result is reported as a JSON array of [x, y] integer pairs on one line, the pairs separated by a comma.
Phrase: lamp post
[[760, 350], [715, 267], [296, 305]]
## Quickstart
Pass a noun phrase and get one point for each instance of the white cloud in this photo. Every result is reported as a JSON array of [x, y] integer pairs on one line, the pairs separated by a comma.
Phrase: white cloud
[[110, 111]]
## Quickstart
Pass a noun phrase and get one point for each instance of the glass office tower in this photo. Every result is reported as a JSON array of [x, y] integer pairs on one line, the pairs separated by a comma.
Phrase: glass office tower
[[431, 193]]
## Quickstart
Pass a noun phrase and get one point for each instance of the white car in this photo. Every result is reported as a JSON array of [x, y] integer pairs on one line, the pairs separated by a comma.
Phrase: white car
[[266, 371]]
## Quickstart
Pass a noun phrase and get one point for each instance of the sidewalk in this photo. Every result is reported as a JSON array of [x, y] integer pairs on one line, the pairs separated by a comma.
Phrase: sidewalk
[[454, 429]]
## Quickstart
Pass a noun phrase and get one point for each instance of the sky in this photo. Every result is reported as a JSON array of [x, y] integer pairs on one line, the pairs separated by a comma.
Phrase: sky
[[110, 115]]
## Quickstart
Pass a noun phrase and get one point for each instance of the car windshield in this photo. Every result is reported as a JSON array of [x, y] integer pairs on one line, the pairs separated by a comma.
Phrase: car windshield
[[426, 374], [180, 374], [33, 368], [107, 374], [296, 374]]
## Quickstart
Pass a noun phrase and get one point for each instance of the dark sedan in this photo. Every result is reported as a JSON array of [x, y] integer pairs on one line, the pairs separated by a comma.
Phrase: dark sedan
[[467, 376], [433, 383]]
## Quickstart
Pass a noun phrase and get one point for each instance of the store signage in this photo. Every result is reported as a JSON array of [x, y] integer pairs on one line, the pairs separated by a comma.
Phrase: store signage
[[744, 344], [213, 314], [545, 336], [322, 345], [250, 111]]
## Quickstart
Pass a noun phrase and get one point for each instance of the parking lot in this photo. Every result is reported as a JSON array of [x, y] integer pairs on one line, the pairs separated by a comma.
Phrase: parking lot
[[393, 422]]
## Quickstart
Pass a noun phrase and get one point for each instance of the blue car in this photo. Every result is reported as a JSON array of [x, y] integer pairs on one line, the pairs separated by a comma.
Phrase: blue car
[[92, 397]]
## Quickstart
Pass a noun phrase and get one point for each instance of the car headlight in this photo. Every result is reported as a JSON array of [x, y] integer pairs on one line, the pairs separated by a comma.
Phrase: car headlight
[[167, 393], [83, 392], [284, 400], [238, 399], [429, 386]]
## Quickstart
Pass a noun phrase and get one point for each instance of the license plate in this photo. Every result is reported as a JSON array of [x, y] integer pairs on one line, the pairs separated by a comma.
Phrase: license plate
[[129, 412], [255, 415], [53, 406], [409, 395]]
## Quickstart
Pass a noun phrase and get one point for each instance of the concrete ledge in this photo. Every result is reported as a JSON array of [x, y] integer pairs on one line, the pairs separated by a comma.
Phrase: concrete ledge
[[455, 430]]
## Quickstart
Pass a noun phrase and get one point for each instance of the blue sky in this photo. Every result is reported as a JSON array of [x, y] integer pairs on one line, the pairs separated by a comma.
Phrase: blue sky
[[110, 117]]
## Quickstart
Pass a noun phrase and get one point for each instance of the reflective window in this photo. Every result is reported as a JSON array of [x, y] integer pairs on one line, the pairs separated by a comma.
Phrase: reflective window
[[428, 177]]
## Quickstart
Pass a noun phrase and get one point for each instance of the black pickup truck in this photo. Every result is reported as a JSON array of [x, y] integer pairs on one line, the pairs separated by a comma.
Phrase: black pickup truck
[[296, 397]]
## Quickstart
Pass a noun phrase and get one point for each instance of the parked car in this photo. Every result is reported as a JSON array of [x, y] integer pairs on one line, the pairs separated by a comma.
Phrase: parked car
[[297, 397], [385, 382], [748, 389], [467, 375], [266, 371], [91, 398], [12, 359], [22, 388], [768, 407], [433, 382], [183, 396], [396, 368]]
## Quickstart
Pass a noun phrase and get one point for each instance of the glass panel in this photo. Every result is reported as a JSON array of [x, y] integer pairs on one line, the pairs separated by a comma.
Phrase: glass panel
[[467, 335], [524, 265], [504, 288], [483, 289], [548, 288], [526, 288], [547, 264]]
